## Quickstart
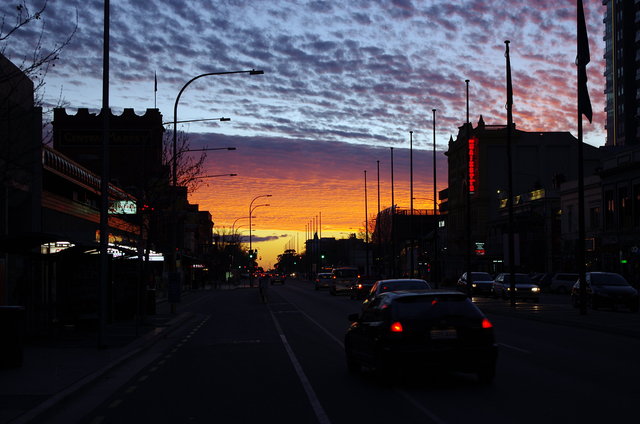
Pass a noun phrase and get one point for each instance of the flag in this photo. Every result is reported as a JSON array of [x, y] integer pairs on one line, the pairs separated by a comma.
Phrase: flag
[[509, 87], [155, 81], [584, 103]]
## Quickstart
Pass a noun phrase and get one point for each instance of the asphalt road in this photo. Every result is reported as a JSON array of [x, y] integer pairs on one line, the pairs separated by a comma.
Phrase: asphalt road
[[240, 361]]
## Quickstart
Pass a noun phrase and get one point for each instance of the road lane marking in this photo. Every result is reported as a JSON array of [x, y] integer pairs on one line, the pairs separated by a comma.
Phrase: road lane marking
[[321, 415], [515, 348], [115, 403], [417, 405]]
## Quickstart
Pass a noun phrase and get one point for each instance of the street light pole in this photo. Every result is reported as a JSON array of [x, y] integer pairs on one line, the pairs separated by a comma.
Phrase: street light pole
[[434, 268], [174, 284], [251, 208]]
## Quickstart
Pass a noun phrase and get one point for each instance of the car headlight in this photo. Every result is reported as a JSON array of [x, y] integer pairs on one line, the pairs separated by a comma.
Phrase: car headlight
[[474, 285], [535, 289]]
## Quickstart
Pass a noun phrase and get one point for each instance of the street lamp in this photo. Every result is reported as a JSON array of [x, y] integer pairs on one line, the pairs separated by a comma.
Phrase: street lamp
[[175, 112], [251, 209]]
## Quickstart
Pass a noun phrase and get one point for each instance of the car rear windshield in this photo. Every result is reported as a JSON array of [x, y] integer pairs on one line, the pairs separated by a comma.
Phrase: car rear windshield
[[404, 285], [417, 307], [345, 273], [608, 280], [481, 276]]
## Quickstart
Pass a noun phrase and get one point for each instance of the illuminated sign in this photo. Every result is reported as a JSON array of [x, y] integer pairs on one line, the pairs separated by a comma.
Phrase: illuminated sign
[[123, 207], [480, 249], [473, 164]]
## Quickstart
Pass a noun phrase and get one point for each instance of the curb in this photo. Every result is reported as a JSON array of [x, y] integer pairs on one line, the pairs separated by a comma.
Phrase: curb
[[134, 348]]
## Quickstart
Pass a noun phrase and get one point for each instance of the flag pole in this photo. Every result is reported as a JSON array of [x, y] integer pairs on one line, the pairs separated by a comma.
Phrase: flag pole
[[155, 89], [509, 106], [584, 107]]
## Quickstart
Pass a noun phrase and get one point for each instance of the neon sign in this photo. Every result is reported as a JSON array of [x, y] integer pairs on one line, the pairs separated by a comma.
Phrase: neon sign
[[473, 164]]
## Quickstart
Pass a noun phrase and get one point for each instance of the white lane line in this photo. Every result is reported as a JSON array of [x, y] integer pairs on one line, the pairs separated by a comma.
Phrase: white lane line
[[515, 348], [417, 405], [321, 415]]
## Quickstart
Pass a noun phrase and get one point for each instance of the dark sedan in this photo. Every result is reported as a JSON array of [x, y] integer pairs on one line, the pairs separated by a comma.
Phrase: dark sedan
[[362, 287], [606, 289], [481, 283], [428, 329]]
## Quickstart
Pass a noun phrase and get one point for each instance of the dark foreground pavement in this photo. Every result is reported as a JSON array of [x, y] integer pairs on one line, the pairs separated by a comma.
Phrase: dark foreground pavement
[[58, 371]]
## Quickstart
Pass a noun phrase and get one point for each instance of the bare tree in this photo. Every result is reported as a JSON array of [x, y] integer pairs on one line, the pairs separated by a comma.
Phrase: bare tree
[[35, 64], [189, 166]]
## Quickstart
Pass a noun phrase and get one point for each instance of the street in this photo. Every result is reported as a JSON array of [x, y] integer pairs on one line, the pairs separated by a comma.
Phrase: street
[[240, 361]]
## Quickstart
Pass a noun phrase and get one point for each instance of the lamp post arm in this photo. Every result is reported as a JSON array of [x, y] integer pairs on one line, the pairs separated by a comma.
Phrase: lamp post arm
[[175, 112]]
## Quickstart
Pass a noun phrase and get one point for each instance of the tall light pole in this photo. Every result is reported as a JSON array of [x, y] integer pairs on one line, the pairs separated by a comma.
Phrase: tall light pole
[[393, 222], [251, 208], [434, 268], [376, 263], [175, 113], [468, 201], [411, 202], [366, 226], [174, 283]]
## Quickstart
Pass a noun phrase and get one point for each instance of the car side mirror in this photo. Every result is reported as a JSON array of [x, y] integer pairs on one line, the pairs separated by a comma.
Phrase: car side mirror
[[353, 317]]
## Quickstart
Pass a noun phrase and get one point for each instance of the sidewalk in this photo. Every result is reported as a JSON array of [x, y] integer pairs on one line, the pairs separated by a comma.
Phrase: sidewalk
[[53, 370]]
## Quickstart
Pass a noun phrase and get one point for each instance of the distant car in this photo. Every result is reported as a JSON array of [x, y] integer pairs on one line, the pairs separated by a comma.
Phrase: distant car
[[524, 287], [362, 287], [481, 283], [383, 286], [606, 289], [430, 329], [343, 279], [323, 280], [277, 277], [563, 282]]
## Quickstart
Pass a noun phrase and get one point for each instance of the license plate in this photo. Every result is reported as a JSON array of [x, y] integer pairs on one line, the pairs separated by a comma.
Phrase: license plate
[[444, 334]]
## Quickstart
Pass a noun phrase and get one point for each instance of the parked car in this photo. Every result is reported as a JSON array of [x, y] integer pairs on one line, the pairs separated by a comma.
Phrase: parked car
[[362, 287], [383, 286], [562, 282], [323, 280], [429, 329], [342, 279], [481, 283], [524, 287], [606, 289]]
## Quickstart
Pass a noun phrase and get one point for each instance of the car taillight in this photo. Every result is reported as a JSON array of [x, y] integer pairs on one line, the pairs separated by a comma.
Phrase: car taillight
[[486, 323], [396, 327]]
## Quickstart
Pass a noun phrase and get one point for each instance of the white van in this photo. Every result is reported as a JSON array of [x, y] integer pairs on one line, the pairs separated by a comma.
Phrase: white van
[[343, 279]]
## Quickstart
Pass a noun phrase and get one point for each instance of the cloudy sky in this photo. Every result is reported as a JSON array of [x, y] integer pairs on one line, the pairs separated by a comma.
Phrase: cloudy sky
[[344, 81]]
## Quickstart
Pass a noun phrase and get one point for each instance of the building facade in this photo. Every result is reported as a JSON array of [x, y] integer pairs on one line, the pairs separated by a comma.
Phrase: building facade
[[622, 71], [476, 228]]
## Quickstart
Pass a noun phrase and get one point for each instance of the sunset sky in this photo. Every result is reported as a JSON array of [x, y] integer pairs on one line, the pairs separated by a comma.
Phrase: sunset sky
[[343, 82]]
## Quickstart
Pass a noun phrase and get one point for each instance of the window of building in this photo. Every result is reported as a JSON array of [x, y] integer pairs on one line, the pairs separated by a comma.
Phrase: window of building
[[624, 200], [636, 205], [610, 209], [594, 217]]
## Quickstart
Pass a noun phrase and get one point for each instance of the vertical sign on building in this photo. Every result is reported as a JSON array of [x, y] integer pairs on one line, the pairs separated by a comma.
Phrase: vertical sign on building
[[473, 164]]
